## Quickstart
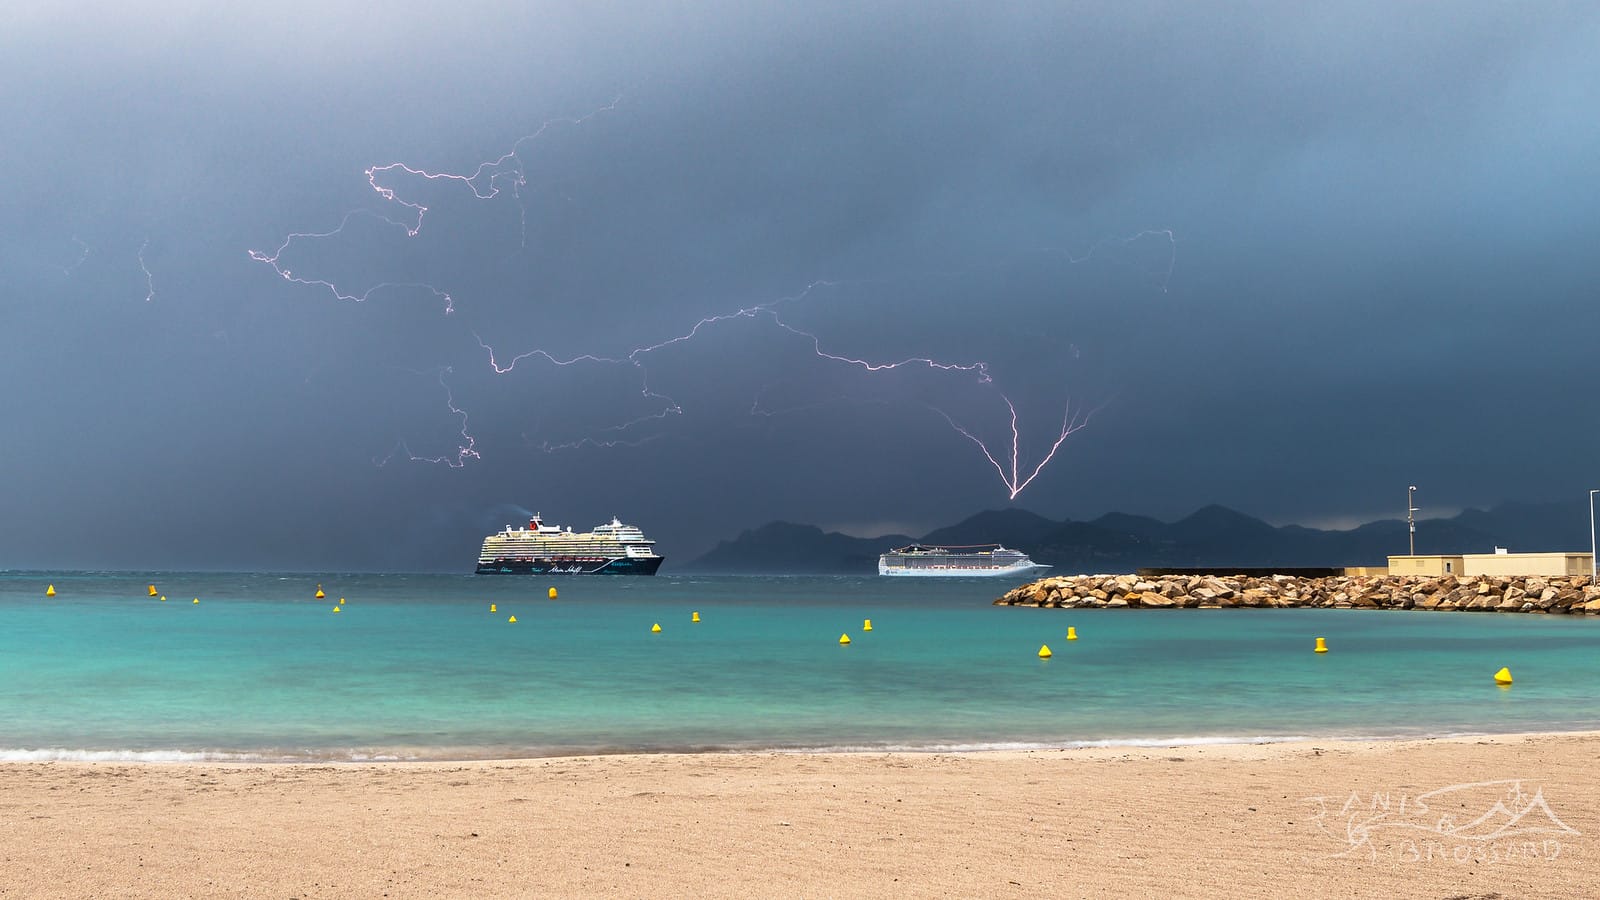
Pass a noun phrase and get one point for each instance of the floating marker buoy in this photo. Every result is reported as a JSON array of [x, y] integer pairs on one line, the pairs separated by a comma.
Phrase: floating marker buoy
[[1503, 676], [341, 601], [1072, 633], [866, 625], [512, 619], [1044, 651], [50, 591], [656, 628], [492, 609], [844, 638], [552, 593], [336, 609], [320, 594], [197, 599], [163, 598], [152, 590], [1322, 645], [695, 617]]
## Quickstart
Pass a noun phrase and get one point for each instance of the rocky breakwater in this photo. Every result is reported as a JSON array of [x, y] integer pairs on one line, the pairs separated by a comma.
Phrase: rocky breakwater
[[1475, 593]]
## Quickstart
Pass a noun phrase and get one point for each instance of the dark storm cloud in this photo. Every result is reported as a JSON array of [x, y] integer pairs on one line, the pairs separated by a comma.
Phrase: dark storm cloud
[[1379, 269]]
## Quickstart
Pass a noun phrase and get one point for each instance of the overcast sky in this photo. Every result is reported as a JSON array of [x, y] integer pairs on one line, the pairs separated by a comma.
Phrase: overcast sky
[[1286, 259]]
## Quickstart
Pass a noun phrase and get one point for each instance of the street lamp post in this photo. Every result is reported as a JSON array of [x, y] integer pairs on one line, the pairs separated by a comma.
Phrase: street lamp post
[[1593, 570], [1411, 519]]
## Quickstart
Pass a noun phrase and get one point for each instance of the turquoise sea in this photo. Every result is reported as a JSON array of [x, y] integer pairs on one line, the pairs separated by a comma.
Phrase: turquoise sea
[[416, 666]]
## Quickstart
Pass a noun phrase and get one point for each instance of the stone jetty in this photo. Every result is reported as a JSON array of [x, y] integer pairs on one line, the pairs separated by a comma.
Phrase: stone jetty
[[1473, 593]]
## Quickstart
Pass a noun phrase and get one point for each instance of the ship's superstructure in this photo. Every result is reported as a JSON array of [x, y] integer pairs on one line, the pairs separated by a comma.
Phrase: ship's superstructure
[[922, 560], [540, 549]]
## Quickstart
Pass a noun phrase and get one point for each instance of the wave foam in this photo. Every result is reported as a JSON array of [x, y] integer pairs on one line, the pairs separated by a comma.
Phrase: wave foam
[[983, 746], [63, 754]]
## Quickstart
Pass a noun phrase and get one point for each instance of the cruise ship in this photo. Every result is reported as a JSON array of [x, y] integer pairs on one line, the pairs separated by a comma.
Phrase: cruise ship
[[977, 560], [540, 549]]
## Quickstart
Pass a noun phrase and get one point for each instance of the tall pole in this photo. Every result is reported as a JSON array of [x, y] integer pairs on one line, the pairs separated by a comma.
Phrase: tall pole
[[1593, 571], [1411, 520]]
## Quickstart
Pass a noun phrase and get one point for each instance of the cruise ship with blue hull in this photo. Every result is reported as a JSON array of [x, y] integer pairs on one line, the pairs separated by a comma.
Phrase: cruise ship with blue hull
[[540, 549]]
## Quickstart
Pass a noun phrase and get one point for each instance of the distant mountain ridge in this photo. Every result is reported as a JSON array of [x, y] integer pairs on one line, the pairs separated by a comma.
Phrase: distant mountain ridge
[[1211, 536]]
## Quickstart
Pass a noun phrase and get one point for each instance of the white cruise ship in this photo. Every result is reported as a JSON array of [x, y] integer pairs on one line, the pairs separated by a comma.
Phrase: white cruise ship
[[540, 549], [978, 560]]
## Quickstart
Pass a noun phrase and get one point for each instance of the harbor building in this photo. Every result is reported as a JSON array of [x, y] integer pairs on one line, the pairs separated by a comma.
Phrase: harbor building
[[1500, 562]]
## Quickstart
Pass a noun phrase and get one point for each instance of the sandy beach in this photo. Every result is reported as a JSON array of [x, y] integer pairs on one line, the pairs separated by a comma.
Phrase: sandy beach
[[1220, 820]]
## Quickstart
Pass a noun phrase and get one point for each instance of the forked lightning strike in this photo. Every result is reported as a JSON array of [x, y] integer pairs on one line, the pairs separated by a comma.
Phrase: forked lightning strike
[[506, 172], [1070, 422]]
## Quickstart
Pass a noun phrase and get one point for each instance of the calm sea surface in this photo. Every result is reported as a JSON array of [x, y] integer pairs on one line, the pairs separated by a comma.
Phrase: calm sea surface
[[416, 666]]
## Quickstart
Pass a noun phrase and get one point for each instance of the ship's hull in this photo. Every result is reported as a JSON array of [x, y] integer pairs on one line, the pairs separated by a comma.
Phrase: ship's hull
[[622, 565]]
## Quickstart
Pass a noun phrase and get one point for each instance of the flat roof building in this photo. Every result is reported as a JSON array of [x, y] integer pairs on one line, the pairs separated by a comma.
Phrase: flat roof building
[[1426, 565], [1501, 563], [1550, 565]]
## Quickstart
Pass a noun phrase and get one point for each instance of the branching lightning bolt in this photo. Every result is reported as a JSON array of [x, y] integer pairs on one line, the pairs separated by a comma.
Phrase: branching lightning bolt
[[495, 169], [506, 174], [149, 280], [273, 259], [482, 188], [1172, 255], [1013, 479], [465, 451], [1070, 422]]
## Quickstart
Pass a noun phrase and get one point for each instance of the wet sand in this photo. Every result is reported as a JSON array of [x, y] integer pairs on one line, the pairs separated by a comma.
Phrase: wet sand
[[1204, 821]]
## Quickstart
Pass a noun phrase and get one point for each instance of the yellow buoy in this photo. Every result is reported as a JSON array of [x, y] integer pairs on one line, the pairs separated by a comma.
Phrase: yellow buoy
[[1503, 676], [152, 590], [492, 609], [695, 617], [656, 628], [866, 625], [1044, 651], [197, 599], [512, 619], [552, 593], [50, 591], [1322, 645], [320, 594], [844, 638], [336, 609], [341, 601], [163, 598], [1072, 633]]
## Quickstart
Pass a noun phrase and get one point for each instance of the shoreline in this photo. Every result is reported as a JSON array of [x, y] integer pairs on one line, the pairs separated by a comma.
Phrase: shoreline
[[1310, 818], [1287, 745], [43, 756], [24, 756]]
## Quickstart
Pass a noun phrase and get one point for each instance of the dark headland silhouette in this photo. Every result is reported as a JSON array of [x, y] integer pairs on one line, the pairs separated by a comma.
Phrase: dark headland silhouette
[[1213, 536]]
